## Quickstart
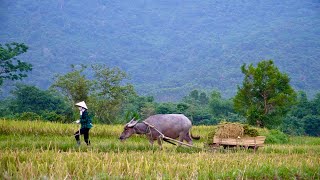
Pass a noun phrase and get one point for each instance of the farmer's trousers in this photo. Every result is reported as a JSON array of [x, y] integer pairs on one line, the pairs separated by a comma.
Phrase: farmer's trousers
[[85, 132]]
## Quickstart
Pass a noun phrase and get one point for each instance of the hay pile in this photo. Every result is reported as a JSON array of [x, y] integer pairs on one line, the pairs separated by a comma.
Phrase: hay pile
[[233, 130], [230, 130]]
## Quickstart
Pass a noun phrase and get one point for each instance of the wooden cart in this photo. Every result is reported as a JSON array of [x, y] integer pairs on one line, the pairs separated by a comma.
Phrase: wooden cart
[[244, 142]]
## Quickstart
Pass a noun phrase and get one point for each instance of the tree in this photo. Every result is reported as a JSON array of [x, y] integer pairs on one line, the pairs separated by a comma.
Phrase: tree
[[203, 99], [11, 67], [265, 95], [104, 94], [166, 108], [109, 92], [147, 110], [315, 105], [74, 85], [182, 108], [196, 98], [293, 125], [303, 107], [218, 106], [31, 99], [312, 125], [143, 105]]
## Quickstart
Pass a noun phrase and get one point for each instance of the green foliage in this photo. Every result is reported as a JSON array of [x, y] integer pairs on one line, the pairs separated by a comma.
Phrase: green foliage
[[5, 107], [265, 95], [210, 136], [218, 106], [182, 107], [203, 99], [166, 108], [200, 108], [233, 117], [275, 136], [196, 97], [132, 115], [147, 110], [312, 125], [53, 117], [303, 107], [250, 131], [145, 106], [109, 92], [200, 115], [315, 105], [293, 125], [73, 85], [29, 116], [105, 94], [302, 117], [30, 99], [11, 67]]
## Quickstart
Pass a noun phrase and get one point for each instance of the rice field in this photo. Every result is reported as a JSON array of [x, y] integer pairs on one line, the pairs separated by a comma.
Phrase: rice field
[[43, 150]]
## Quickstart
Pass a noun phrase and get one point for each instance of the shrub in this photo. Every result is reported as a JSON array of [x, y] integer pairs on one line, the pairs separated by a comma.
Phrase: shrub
[[250, 131], [31, 116], [276, 137], [53, 117]]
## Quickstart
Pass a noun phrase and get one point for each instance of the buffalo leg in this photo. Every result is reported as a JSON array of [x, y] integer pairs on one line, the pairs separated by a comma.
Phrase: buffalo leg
[[151, 142], [160, 142], [188, 138]]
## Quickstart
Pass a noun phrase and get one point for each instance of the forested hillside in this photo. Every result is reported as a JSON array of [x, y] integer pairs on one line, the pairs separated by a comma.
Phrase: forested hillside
[[168, 47]]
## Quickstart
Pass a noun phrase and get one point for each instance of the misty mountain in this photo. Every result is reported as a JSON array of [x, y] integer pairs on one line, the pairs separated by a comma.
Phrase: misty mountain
[[168, 47]]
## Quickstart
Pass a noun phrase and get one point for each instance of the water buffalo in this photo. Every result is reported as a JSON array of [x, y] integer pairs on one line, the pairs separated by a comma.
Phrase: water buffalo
[[170, 125]]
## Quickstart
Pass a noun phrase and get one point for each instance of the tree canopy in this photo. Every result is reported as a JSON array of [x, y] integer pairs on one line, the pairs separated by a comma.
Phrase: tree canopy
[[10, 67], [74, 85], [265, 94], [104, 93]]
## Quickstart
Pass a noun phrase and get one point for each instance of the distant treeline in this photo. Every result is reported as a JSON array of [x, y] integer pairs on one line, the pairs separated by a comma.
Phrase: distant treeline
[[31, 103]]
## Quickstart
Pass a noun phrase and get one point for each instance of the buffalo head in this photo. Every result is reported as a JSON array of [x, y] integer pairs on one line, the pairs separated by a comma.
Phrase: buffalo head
[[128, 130]]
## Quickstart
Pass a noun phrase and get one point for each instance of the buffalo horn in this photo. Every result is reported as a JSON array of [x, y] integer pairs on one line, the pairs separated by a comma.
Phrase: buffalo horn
[[132, 123]]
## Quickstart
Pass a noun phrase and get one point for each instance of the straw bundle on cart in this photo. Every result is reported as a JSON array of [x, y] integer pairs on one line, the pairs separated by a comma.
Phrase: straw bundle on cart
[[230, 130]]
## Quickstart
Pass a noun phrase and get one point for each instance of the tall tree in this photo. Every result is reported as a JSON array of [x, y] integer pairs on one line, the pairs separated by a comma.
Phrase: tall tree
[[109, 92], [265, 95], [104, 93], [11, 67], [74, 85]]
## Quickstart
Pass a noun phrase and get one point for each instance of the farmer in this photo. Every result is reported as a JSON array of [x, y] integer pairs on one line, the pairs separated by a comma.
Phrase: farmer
[[85, 122]]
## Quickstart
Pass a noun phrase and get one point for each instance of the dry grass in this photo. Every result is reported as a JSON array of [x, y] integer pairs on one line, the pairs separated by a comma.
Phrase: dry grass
[[53, 155]]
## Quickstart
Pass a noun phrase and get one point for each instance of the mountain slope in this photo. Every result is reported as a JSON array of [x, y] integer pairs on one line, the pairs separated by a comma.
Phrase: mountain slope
[[168, 47]]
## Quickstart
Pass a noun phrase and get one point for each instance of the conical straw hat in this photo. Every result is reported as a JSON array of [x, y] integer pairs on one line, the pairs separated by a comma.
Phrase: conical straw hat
[[82, 104]]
